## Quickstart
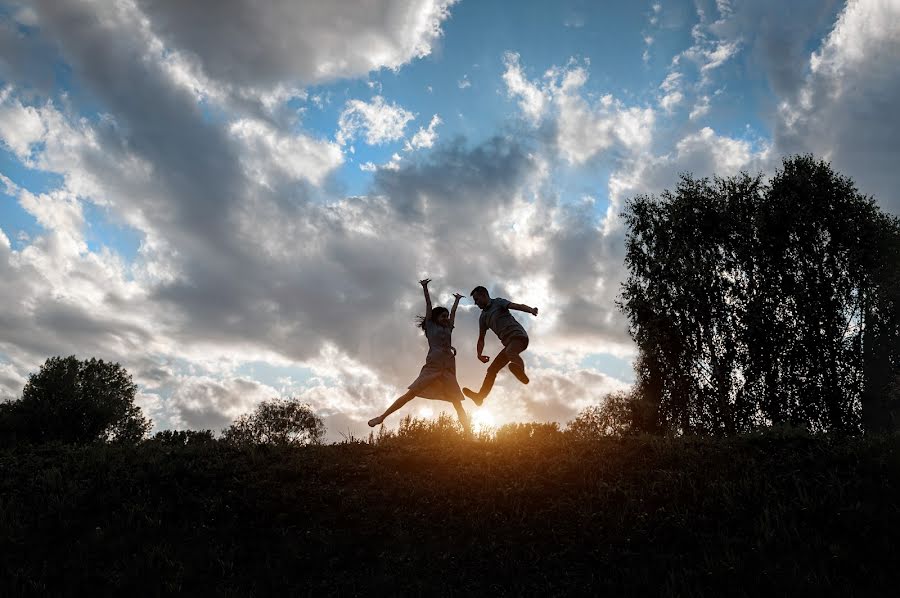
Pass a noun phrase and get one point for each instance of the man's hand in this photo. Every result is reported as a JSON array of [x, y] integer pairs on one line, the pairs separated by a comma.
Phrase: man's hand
[[457, 296], [534, 311], [425, 282], [483, 358]]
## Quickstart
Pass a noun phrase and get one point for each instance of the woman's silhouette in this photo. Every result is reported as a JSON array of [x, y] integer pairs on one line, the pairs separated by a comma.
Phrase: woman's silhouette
[[437, 380]]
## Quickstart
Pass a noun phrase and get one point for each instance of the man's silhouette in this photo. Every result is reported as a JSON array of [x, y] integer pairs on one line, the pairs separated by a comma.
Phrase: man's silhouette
[[495, 315]]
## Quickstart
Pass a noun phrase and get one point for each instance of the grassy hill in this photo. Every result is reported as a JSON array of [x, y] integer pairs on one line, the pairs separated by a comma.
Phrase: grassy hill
[[531, 512]]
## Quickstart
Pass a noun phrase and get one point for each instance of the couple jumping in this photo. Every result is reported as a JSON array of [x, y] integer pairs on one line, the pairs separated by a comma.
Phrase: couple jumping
[[437, 380]]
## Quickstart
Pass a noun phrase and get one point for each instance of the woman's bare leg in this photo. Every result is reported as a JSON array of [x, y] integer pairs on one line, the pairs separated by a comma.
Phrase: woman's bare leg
[[463, 417], [400, 402]]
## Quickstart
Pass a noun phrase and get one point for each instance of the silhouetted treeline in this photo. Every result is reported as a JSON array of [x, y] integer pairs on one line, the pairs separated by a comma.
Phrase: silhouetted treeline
[[72, 401], [757, 303]]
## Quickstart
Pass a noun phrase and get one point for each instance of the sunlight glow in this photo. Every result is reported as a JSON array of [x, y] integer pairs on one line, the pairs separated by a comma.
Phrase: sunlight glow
[[483, 420]]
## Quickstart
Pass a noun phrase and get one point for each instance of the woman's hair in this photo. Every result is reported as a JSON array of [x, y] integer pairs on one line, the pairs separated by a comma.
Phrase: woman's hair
[[435, 314]]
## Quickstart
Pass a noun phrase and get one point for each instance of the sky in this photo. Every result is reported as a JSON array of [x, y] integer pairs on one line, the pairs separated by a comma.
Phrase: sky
[[235, 200]]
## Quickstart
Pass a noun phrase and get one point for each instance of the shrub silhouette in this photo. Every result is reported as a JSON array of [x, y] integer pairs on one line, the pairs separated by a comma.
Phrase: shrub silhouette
[[615, 416], [280, 422], [528, 432], [75, 402], [183, 437]]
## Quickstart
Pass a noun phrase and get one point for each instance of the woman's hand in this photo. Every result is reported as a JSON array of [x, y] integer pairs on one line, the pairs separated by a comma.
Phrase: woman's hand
[[457, 296], [424, 283]]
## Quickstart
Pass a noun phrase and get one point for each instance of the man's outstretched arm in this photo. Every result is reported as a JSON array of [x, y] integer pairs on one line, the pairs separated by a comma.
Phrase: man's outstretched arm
[[522, 307]]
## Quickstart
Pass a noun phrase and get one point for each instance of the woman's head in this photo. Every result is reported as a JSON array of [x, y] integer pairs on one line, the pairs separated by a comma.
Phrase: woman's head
[[439, 315]]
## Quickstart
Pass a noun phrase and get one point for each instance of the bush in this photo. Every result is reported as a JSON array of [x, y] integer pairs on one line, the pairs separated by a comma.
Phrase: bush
[[615, 416], [528, 432], [183, 437], [75, 402], [279, 422]]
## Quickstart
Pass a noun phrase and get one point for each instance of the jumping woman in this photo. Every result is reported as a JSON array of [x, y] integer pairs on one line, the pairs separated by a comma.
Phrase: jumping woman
[[437, 380]]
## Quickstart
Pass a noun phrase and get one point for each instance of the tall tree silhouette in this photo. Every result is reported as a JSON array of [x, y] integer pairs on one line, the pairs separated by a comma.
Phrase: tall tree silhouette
[[757, 303]]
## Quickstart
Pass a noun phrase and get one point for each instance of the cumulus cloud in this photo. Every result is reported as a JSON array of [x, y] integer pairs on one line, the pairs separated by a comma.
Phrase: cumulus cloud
[[424, 137], [269, 153], [583, 128], [532, 99], [379, 121], [261, 45], [204, 403], [843, 110]]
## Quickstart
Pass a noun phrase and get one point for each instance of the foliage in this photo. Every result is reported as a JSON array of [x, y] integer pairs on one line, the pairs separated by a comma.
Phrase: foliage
[[772, 514], [615, 416], [420, 431], [74, 401], [280, 422], [183, 437], [757, 304], [529, 432]]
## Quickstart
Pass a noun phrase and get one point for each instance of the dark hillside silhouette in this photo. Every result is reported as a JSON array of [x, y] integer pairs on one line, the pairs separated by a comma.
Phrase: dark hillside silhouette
[[757, 304]]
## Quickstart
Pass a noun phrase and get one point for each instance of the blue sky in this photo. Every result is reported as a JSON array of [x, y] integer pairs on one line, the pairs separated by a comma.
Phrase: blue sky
[[236, 201]]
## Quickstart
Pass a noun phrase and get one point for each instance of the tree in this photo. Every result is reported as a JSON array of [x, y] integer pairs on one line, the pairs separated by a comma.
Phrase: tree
[[281, 422], [76, 402], [757, 303], [617, 415]]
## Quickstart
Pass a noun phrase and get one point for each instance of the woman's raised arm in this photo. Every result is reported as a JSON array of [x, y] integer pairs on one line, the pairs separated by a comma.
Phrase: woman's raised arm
[[424, 284], [456, 298]]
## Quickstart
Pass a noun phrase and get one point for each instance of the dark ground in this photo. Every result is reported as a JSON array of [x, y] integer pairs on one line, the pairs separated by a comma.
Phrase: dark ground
[[436, 515]]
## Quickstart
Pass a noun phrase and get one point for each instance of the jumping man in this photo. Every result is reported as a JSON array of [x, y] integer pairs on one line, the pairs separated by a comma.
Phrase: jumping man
[[495, 315]]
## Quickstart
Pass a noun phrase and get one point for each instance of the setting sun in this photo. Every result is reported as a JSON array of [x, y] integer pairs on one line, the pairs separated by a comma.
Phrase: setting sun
[[483, 419]]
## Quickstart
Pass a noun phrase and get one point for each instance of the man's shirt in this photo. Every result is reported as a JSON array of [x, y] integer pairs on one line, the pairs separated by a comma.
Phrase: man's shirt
[[496, 316]]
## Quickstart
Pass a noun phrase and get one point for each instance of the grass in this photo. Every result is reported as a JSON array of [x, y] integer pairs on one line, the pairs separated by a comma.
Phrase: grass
[[424, 511]]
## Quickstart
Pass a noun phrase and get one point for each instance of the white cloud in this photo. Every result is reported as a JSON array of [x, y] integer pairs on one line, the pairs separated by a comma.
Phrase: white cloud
[[716, 56], [700, 109], [464, 83], [303, 42], [20, 126], [532, 100], [203, 402], [270, 153], [424, 137], [583, 129], [844, 110], [379, 121]]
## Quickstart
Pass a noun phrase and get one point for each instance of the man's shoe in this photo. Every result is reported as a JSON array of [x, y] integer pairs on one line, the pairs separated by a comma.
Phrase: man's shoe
[[476, 398], [519, 372]]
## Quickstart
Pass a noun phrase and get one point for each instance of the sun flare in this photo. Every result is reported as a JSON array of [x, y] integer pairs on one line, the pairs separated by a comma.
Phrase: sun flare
[[483, 419]]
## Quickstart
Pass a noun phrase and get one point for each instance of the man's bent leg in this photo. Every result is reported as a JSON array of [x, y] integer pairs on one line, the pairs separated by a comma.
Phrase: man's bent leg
[[498, 364], [516, 364]]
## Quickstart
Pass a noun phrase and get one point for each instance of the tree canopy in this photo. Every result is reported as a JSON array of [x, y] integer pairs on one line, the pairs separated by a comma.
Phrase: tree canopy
[[759, 303], [282, 422], [77, 402]]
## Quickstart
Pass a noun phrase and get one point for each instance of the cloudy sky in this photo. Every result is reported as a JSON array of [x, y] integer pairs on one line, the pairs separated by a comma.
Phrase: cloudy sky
[[235, 199]]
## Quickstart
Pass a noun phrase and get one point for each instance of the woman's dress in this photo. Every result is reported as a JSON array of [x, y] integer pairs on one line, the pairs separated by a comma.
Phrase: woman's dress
[[437, 380]]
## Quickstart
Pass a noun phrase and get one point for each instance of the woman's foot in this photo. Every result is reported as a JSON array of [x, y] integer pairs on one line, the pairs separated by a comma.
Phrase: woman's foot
[[476, 397], [375, 421]]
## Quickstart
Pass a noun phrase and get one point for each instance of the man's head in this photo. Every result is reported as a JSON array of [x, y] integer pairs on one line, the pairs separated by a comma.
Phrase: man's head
[[481, 296]]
